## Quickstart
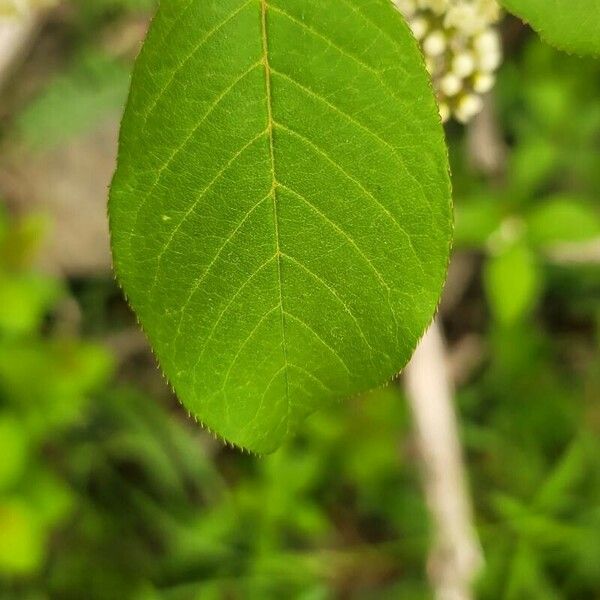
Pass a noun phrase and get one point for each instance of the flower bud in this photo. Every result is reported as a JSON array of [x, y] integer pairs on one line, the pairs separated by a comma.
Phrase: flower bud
[[419, 27], [483, 82], [450, 84], [463, 63], [467, 107], [435, 43]]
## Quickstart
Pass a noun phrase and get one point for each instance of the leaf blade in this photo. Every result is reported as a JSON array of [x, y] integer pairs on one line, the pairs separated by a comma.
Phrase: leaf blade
[[570, 25], [278, 235]]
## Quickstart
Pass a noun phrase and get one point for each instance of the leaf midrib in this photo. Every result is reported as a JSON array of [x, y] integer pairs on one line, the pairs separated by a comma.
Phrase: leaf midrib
[[270, 125]]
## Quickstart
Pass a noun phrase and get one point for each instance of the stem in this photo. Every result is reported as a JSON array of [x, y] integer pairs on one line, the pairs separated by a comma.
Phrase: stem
[[456, 556], [16, 35]]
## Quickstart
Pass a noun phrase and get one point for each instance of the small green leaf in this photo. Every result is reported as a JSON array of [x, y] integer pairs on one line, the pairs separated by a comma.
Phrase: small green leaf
[[281, 210], [512, 283], [25, 300], [14, 449], [23, 539], [94, 86], [571, 25], [562, 219], [476, 220], [531, 164]]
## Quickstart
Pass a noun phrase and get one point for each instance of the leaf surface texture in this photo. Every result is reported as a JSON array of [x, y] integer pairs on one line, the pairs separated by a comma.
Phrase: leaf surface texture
[[572, 25], [281, 213]]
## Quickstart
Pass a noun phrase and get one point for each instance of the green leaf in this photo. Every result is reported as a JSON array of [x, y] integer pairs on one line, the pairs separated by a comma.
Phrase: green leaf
[[477, 218], [94, 86], [562, 219], [571, 25], [512, 283], [281, 210], [14, 448], [23, 539], [26, 300]]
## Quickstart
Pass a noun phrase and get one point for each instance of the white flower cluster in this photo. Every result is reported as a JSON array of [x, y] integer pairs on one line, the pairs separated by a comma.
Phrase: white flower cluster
[[462, 50]]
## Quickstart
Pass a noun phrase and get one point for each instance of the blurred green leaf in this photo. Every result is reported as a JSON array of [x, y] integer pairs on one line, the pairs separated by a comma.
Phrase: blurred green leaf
[[14, 450], [512, 283], [51, 497], [25, 300], [562, 218], [476, 220], [22, 539], [50, 382], [74, 102], [557, 491], [526, 577], [531, 164], [550, 98], [20, 242]]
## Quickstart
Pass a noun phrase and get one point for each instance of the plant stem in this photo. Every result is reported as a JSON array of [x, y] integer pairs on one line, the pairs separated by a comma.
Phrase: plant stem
[[456, 556]]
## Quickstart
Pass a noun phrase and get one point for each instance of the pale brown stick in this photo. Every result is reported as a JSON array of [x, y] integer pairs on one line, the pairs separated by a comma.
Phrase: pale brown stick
[[16, 35], [487, 151], [575, 253], [456, 557]]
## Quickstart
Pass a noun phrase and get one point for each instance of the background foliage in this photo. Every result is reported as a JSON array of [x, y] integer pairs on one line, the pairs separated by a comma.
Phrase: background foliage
[[108, 490]]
